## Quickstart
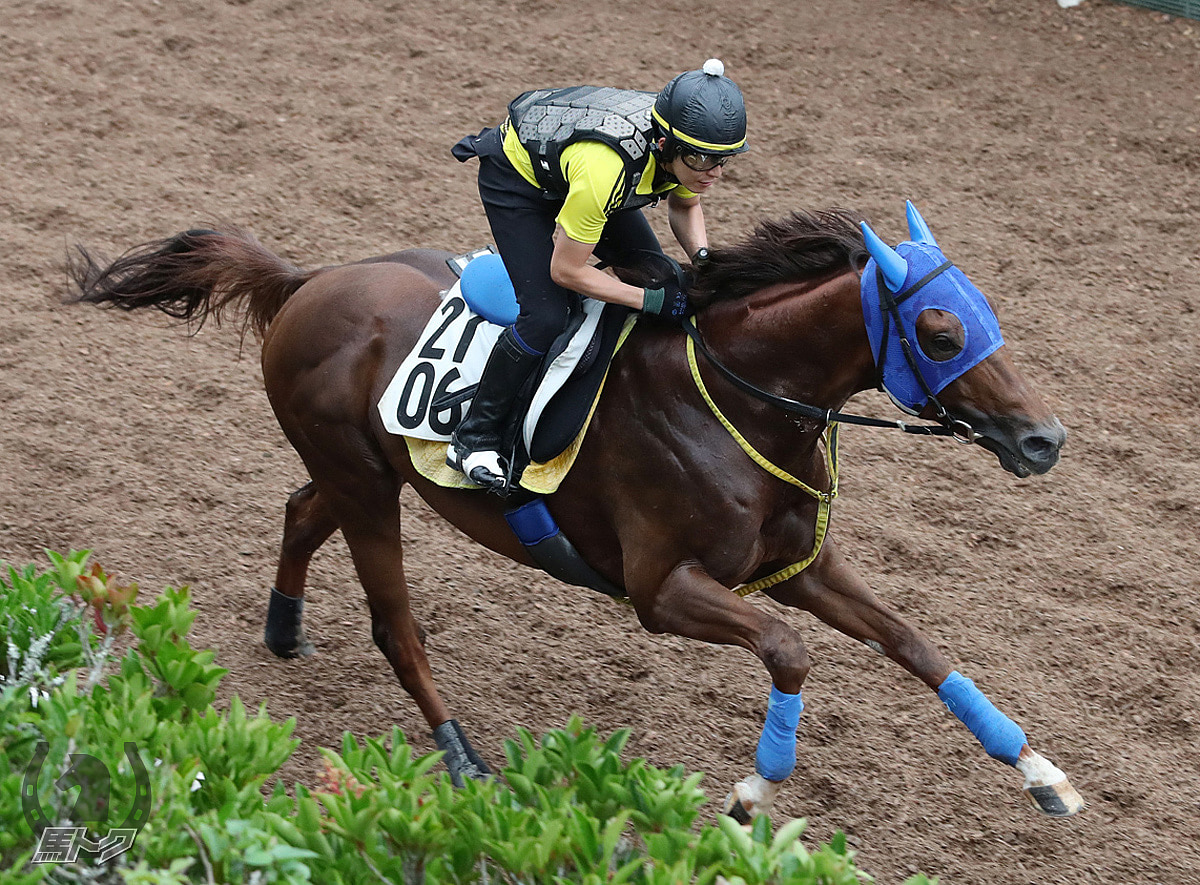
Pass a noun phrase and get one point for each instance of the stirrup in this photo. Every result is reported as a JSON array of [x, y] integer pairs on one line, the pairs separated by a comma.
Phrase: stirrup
[[482, 468]]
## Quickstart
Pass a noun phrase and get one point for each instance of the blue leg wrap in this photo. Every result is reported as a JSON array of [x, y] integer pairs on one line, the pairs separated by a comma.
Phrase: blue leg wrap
[[776, 756], [1001, 737]]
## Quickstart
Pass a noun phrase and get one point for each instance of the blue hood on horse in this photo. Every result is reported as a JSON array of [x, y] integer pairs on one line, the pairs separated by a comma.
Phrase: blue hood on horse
[[917, 277]]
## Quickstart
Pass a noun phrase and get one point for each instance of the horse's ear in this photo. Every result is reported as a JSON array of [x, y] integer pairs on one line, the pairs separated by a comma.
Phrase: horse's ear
[[891, 262], [918, 230]]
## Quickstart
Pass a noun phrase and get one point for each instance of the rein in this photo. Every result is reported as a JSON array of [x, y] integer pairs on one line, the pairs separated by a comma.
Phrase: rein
[[825, 416], [824, 499], [889, 307], [830, 419]]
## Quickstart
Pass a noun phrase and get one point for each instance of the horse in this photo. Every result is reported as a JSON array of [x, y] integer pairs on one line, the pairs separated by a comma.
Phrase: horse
[[789, 324]]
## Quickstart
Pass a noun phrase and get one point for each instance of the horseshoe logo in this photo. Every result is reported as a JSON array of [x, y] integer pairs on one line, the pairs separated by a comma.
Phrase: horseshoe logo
[[36, 817], [30, 806]]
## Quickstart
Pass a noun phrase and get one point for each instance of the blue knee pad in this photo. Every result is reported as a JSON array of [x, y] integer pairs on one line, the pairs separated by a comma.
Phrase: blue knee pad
[[1001, 737], [776, 756]]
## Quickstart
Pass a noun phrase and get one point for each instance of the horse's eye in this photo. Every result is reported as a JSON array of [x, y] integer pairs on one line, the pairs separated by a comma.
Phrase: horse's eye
[[940, 334], [944, 346]]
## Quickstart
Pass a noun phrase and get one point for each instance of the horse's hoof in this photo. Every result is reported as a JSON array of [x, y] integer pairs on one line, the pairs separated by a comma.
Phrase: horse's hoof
[[754, 795], [1047, 787], [734, 808], [1056, 800], [461, 759], [301, 648]]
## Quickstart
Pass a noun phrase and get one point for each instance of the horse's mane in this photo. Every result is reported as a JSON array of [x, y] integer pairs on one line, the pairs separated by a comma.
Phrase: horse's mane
[[799, 247]]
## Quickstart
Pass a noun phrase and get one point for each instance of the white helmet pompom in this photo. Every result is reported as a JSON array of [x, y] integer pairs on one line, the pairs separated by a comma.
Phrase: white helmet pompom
[[714, 67]]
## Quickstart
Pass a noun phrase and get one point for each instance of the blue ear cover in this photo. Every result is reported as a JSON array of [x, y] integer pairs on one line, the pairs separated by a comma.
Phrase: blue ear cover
[[918, 230], [949, 290], [894, 267]]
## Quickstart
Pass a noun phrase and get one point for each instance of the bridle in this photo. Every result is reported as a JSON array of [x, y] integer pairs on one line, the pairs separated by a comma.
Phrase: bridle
[[958, 430], [889, 308]]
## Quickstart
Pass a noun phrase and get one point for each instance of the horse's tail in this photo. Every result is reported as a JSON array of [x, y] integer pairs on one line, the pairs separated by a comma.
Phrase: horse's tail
[[192, 276]]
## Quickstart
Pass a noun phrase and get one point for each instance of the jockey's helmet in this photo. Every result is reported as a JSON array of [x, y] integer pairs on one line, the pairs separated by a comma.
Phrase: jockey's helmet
[[702, 111]]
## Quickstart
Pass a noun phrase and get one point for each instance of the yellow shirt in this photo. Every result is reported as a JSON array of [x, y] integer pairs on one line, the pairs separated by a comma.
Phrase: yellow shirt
[[595, 175]]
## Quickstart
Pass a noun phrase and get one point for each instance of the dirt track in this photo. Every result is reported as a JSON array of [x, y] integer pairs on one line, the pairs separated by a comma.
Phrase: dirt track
[[1055, 154]]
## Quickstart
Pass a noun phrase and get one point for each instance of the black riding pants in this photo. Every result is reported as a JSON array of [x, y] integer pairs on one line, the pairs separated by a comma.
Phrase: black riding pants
[[522, 222]]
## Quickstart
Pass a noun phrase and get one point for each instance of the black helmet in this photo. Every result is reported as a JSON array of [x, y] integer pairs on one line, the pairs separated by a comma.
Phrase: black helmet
[[702, 110]]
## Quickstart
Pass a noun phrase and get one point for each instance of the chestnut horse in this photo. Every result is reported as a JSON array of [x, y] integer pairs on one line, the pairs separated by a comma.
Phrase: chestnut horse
[[733, 431]]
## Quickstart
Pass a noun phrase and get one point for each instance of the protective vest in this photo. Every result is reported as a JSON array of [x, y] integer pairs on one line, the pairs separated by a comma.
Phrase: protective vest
[[548, 120]]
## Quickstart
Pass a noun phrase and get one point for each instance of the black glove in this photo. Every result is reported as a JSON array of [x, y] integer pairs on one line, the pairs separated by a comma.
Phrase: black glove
[[669, 301]]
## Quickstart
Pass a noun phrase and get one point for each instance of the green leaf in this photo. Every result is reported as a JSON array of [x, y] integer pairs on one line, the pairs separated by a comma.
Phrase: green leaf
[[760, 829], [739, 839], [838, 842], [789, 833], [257, 857]]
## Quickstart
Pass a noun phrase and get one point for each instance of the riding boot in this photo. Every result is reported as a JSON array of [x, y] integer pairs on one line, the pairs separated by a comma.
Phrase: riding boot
[[474, 446]]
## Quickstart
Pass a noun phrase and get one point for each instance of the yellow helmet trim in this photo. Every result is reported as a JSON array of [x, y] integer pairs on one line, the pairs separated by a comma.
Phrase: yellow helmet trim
[[695, 142]]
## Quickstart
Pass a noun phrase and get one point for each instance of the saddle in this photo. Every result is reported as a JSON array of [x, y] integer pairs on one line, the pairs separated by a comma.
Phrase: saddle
[[432, 388]]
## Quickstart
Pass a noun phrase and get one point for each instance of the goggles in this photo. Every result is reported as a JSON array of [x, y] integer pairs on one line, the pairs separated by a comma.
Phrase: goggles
[[698, 162]]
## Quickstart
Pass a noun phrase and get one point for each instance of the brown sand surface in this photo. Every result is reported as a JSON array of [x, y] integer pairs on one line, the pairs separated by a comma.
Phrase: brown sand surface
[[1056, 155]]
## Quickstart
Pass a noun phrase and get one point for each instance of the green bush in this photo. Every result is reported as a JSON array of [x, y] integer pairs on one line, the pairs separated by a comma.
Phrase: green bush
[[567, 807], [38, 623]]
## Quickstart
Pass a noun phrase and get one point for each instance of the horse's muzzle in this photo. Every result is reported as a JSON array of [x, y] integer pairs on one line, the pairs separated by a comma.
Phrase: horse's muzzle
[[1024, 449], [1041, 449]]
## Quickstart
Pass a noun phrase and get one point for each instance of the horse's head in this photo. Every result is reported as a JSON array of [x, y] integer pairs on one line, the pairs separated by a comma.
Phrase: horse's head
[[92, 778], [939, 352]]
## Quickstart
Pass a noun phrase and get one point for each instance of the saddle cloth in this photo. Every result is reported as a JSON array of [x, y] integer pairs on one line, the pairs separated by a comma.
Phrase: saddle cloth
[[432, 388]]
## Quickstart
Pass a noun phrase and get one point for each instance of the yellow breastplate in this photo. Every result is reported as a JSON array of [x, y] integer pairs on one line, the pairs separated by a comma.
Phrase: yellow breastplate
[[824, 499]]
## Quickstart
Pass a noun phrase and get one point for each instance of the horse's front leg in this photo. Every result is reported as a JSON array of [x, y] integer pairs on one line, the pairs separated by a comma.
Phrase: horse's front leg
[[833, 592], [688, 602]]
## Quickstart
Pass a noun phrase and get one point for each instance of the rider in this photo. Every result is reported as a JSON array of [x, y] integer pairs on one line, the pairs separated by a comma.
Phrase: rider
[[559, 180]]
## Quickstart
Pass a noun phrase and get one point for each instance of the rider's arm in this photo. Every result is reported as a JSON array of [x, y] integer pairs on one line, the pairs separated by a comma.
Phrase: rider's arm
[[687, 222], [570, 269], [593, 172]]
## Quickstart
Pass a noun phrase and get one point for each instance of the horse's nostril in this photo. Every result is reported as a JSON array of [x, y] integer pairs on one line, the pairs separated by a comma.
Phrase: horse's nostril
[[1040, 449]]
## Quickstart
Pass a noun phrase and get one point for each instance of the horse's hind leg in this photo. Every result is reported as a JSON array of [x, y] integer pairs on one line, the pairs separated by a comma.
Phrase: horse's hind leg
[[367, 509], [307, 525], [833, 592]]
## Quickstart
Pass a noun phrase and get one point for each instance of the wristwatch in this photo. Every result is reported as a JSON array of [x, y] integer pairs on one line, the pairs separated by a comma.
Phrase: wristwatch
[[701, 256]]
